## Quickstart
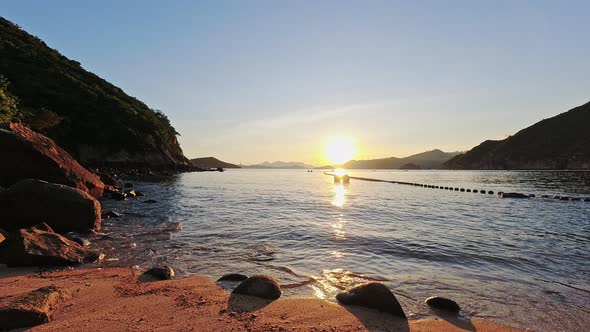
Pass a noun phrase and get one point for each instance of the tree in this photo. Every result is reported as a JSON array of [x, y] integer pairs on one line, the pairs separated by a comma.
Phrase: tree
[[8, 102]]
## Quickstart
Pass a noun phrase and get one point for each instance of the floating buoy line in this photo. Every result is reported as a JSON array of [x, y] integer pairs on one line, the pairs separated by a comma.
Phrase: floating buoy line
[[345, 178]]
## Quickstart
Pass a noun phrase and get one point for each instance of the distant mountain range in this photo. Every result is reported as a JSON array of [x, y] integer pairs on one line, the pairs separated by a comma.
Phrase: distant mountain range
[[560, 142], [211, 162], [280, 165], [425, 160]]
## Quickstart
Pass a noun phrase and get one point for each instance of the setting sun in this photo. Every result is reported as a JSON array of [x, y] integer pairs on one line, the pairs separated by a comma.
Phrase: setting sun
[[340, 150]]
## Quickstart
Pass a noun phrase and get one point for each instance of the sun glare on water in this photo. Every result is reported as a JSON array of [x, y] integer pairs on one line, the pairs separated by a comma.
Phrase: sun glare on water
[[340, 150]]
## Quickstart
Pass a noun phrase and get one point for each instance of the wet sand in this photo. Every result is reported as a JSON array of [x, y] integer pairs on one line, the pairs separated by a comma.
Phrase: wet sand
[[114, 299]]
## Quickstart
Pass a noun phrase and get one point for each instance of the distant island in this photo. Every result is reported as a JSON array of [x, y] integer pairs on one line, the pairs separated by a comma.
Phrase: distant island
[[211, 162], [560, 142]]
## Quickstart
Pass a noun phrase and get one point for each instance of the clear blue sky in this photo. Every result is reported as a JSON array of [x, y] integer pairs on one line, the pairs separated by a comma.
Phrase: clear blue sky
[[248, 81]]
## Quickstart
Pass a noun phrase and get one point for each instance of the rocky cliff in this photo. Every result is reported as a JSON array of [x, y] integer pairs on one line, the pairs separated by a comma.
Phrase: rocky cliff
[[560, 142], [95, 121]]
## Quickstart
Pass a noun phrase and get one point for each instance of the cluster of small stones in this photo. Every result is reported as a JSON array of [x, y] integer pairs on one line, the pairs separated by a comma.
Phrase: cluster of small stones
[[478, 191]]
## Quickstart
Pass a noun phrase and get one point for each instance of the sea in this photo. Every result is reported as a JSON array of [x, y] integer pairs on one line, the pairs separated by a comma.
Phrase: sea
[[521, 262]]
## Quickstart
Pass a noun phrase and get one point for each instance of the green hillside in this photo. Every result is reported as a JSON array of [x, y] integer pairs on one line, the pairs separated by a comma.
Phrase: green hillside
[[95, 121], [560, 142]]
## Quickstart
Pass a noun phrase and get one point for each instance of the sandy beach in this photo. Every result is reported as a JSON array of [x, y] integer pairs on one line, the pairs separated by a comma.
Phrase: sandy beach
[[114, 299]]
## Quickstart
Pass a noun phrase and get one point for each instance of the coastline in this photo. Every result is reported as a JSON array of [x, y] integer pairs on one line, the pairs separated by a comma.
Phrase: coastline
[[115, 299]]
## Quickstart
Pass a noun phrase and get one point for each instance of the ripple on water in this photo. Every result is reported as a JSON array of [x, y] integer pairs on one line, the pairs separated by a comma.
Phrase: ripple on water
[[522, 262]]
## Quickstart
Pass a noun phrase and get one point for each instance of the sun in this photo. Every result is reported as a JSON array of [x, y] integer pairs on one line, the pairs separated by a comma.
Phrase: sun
[[340, 150]]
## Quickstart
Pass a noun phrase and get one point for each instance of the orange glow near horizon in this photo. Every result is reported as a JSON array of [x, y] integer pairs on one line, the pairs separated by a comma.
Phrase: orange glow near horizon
[[340, 150]]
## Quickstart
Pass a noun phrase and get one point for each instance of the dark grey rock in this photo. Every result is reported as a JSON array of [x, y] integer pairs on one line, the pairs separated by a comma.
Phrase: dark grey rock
[[29, 202], [110, 214], [260, 286], [233, 277], [442, 303], [372, 295], [512, 195], [161, 272]]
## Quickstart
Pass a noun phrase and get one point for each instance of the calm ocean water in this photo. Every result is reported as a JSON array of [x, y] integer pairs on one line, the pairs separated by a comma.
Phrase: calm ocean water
[[524, 262]]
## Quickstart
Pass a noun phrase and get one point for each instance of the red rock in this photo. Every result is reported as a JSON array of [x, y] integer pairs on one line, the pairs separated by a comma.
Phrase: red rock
[[36, 246], [27, 154], [32, 308]]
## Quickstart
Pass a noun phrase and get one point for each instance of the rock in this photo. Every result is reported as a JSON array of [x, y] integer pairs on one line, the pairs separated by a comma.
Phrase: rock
[[260, 286], [173, 227], [544, 196], [587, 199], [32, 308], [30, 155], [576, 199], [532, 195], [151, 201], [44, 227], [110, 214], [65, 209], [161, 272], [36, 246], [372, 295], [512, 195], [114, 193], [81, 241], [442, 303], [233, 277], [107, 178]]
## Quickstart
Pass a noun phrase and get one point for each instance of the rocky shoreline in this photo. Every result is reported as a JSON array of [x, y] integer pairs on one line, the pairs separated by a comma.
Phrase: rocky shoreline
[[121, 299], [50, 199]]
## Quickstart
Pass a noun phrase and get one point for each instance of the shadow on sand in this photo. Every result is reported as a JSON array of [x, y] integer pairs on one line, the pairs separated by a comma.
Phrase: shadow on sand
[[374, 320], [246, 303], [462, 323]]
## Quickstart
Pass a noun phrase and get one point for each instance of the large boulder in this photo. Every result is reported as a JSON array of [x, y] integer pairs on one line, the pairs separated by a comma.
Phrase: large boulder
[[65, 209], [260, 286], [27, 154], [40, 246], [32, 308], [372, 295]]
